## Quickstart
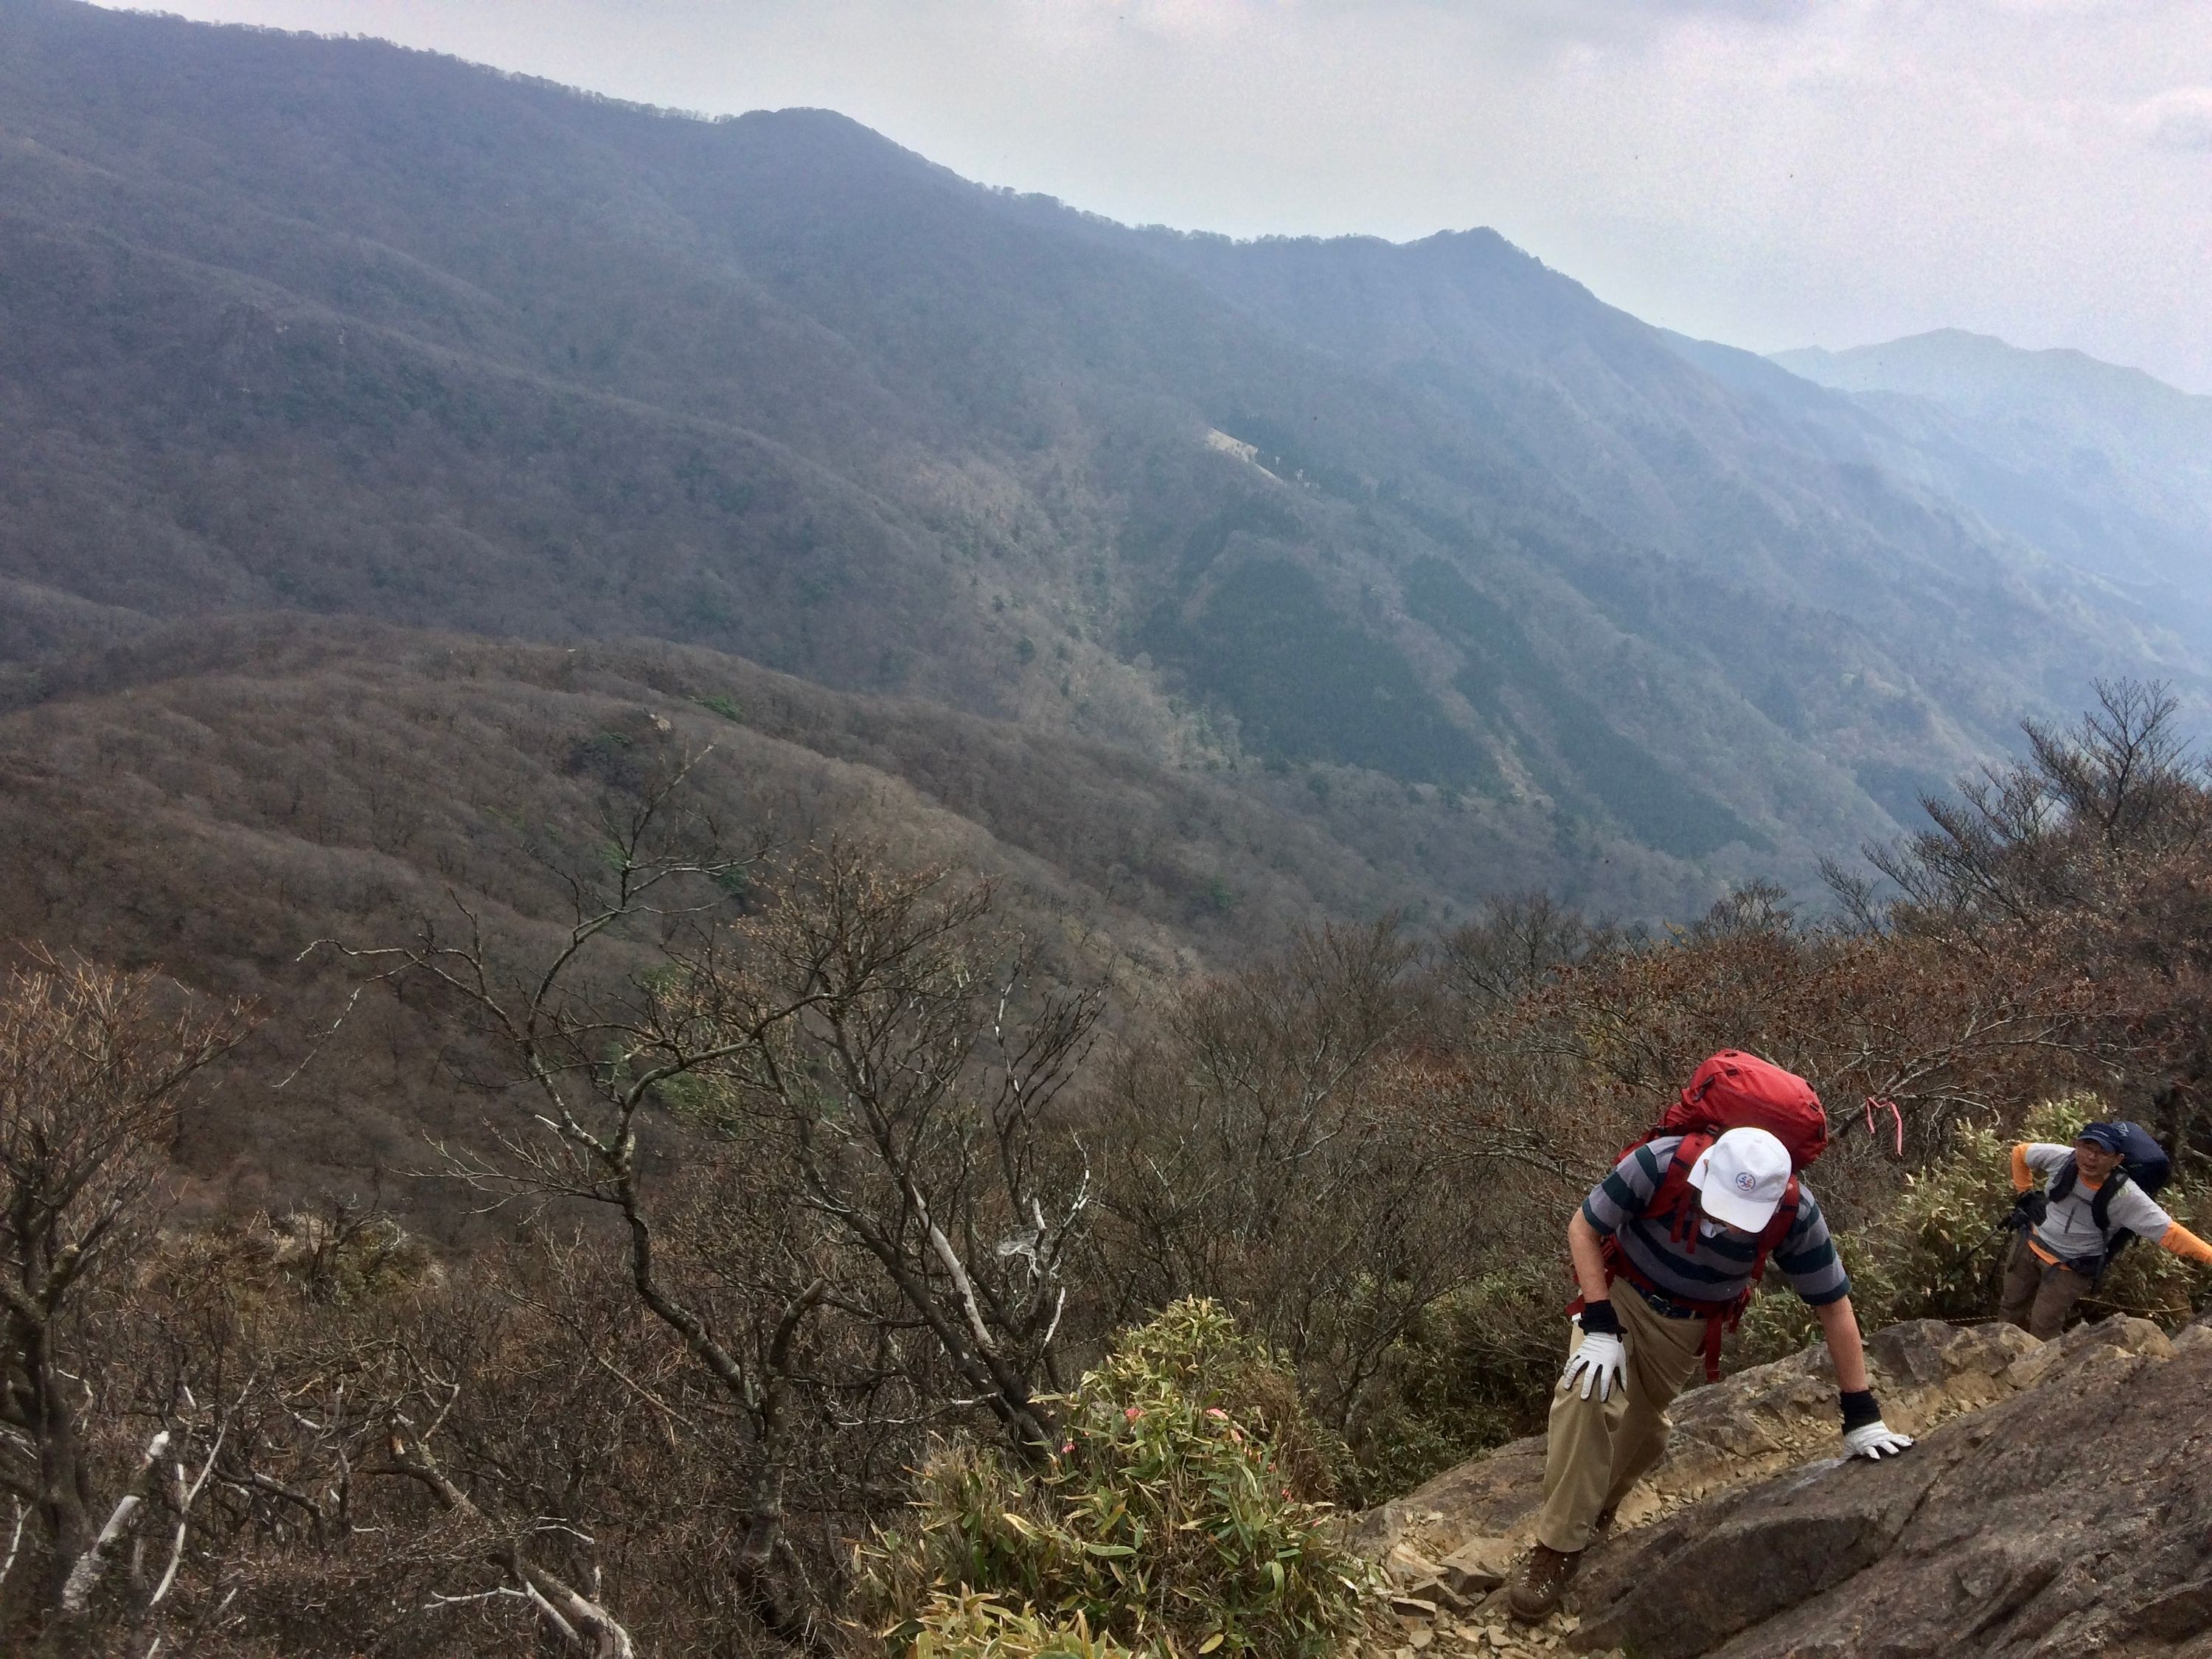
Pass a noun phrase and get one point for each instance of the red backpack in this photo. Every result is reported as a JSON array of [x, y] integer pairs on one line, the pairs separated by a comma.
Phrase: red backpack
[[1733, 1090], [1738, 1091]]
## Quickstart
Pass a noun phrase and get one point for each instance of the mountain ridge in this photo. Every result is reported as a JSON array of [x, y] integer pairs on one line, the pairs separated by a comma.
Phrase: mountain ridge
[[327, 325], [2106, 465]]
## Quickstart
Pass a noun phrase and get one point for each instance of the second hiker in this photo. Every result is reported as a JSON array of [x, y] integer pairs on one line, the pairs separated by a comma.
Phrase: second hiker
[[2098, 1194], [1666, 1249]]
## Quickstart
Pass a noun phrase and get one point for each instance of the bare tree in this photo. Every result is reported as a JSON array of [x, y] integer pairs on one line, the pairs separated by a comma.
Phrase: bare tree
[[1281, 1151], [897, 1049], [594, 1056], [1513, 944], [2086, 856], [416, 1470], [95, 1068], [863, 1068], [2062, 830]]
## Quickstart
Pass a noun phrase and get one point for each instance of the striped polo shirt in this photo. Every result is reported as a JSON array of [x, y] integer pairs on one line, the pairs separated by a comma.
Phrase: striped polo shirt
[[1719, 1268]]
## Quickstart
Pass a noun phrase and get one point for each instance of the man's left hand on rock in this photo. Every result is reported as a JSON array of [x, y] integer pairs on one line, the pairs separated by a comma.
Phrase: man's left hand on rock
[[1865, 1434]]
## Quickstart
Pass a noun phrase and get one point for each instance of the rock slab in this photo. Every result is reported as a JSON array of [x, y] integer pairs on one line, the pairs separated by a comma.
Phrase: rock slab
[[2072, 1516], [1758, 1423]]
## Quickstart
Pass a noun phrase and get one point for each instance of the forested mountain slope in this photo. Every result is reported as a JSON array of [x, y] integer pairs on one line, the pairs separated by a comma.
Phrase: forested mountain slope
[[1482, 564], [216, 797], [2109, 468]]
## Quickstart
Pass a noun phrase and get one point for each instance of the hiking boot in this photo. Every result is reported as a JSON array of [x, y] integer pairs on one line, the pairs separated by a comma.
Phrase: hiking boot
[[1536, 1596]]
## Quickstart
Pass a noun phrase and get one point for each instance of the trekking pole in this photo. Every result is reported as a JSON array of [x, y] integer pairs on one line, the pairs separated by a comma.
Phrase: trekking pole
[[1967, 1263]]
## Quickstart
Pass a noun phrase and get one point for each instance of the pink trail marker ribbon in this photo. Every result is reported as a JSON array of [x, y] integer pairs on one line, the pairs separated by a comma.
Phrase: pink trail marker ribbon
[[1896, 1118]]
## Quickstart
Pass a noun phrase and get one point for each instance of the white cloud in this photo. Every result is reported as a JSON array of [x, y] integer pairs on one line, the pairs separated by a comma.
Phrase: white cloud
[[2180, 120]]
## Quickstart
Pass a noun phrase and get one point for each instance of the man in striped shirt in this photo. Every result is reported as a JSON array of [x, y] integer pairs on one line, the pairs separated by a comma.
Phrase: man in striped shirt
[[1660, 1263]]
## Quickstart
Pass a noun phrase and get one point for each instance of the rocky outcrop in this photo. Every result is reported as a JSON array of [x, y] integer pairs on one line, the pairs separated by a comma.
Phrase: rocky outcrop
[[2060, 1502], [1732, 1434], [2073, 1516]]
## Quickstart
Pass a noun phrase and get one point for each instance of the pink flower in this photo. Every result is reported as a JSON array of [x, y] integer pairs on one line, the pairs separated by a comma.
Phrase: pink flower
[[1133, 1414], [1215, 1411]]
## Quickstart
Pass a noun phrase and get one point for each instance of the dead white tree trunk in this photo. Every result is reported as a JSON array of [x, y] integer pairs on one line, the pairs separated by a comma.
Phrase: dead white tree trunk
[[92, 1566]]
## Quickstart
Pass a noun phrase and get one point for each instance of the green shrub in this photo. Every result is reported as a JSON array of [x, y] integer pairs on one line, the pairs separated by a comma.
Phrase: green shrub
[[974, 1626], [1187, 1512], [1932, 1256]]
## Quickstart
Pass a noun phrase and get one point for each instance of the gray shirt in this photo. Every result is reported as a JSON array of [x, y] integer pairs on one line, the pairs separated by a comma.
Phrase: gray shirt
[[2070, 1231]]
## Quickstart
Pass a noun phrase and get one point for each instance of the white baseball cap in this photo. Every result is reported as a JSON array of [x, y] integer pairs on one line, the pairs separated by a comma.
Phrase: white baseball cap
[[1742, 1176]]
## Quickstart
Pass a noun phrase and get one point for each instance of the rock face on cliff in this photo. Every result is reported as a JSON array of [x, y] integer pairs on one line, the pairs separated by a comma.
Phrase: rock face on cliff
[[2060, 1503], [2073, 1516]]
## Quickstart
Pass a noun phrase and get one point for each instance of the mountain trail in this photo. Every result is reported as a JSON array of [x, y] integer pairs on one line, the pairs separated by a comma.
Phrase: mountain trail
[[1770, 1543]]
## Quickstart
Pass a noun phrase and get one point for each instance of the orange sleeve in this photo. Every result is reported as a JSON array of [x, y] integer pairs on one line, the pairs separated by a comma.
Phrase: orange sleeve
[[2022, 1177], [2182, 1241]]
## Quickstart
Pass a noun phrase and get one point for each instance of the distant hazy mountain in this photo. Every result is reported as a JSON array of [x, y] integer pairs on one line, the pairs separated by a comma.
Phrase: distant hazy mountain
[[1422, 543], [2105, 466]]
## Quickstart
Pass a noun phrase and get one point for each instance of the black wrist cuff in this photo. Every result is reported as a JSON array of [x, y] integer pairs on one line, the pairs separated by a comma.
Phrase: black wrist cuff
[[1600, 1320], [1859, 1409]]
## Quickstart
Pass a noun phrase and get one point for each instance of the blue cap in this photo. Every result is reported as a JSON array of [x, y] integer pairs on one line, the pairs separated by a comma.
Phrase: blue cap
[[2107, 1135]]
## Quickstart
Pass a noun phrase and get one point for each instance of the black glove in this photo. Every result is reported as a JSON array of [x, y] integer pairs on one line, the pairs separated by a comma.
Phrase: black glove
[[2031, 1206], [1859, 1409], [1600, 1320]]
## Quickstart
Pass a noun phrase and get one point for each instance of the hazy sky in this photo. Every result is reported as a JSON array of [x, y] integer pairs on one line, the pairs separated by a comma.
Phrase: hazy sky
[[1796, 171]]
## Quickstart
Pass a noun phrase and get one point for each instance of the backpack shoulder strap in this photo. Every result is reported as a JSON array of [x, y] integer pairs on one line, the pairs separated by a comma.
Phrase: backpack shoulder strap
[[1719, 1323], [2100, 1206], [1777, 1228], [2062, 1182], [1675, 1195]]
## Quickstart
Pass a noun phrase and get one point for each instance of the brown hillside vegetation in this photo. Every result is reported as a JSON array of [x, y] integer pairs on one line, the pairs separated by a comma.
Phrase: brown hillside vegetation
[[800, 1183], [213, 800]]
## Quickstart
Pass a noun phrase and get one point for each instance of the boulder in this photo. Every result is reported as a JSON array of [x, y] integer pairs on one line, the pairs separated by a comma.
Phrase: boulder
[[1727, 1435], [2071, 1514], [1486, 1497], [2123, 1331], [1476, 1570], [1731, 1562]]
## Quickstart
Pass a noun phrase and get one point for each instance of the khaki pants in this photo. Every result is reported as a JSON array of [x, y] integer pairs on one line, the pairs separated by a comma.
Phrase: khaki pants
[[1597, 1450], [2038, 1297]]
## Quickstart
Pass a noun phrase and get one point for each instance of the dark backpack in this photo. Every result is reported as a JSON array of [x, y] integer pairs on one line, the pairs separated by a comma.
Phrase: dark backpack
[[2143, 1161]]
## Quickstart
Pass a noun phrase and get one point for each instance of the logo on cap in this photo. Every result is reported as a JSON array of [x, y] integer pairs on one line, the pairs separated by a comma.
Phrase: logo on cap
[[1745, 1180]]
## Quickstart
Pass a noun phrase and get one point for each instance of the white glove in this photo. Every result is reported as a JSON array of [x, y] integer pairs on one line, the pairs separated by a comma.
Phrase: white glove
[[1602, 1358], [1875, 1440]]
